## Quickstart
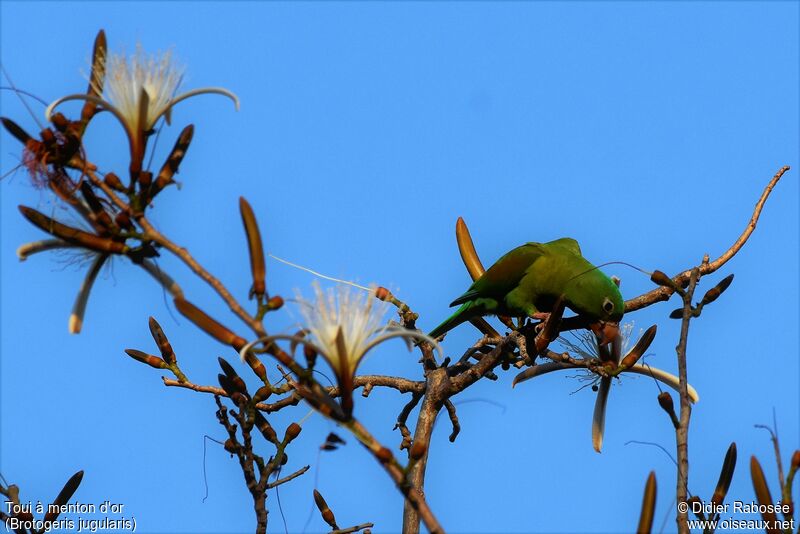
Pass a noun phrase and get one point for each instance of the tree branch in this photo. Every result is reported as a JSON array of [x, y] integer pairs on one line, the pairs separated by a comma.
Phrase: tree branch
[[664, 293]]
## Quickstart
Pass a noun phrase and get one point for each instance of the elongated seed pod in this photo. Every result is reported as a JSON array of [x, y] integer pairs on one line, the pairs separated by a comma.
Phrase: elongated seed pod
[[170, 166], [72, 235], [209, 325], [149, 359], [16, 130], [763, 496], [63, 497], [648, 505], [254, 245], [725, 475], [164, 346], [97, 78], [640, 348], [467, 249], [475, 269], [325, 511]]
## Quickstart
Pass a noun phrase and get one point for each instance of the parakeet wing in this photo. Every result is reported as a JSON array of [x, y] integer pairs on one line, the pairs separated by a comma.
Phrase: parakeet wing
[[567, 243], [505, 274]]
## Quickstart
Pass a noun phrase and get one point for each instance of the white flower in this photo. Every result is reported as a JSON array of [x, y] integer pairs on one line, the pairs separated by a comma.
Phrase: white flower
[[585, 345], [139, 90], [129, 78], [344, 325]]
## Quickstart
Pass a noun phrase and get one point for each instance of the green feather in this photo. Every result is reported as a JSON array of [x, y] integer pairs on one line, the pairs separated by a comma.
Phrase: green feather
[[531, 278]]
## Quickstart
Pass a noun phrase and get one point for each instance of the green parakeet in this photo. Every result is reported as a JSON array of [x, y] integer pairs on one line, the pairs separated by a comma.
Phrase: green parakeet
[[531, 278]]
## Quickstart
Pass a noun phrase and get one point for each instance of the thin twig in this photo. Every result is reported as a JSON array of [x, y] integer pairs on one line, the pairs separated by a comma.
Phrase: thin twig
[[349, 530], [288, 477], [451, 411], [664, 293], [682, 432]]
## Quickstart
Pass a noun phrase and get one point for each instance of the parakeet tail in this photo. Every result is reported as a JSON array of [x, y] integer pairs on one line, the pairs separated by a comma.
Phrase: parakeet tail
[[461, 315]]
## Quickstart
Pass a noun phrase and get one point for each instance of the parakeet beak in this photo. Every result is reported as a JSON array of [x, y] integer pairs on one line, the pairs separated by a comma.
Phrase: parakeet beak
[[606, 332]]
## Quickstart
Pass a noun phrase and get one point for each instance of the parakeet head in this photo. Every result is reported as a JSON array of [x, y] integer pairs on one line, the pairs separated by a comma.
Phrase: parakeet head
[[595, 296]]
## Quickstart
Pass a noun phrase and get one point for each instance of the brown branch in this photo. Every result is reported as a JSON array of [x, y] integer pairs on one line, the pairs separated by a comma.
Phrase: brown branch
[[415, 499], [402, 385], [682, 432], [773, 436], [349, 530], [402, 420], [451, 411], [664, 293], [247, 461], [439, 387], [286, 479], [183, 254]]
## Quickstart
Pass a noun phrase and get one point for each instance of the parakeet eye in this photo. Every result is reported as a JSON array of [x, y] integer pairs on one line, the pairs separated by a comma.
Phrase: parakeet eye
[[608, 306]]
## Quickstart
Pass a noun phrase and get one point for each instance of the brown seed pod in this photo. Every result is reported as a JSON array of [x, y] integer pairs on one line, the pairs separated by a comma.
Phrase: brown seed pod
[[640, 348], [275, 303], [256, 249], [324, 510], [265, 428], [762, 495], [149, 359], [262, 394], [113, 181], [292, 431], [162, 342], [97, 77], [256, 365], [72, 235], [63, 497], [725, 475], [170, 167], [714, 293], [648, 505], [209, 325], [14, 129]]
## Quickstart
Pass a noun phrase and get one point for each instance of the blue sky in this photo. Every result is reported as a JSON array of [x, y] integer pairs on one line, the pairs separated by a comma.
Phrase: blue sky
[[644, 130]]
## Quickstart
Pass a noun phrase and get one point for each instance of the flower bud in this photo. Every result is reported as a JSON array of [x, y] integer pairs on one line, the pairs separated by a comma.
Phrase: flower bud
[[149, 359], [113, 181], [275, 303], [665, 401], [381, 293], [292, 431], [324, 510], [262, 394], [209, 325]]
